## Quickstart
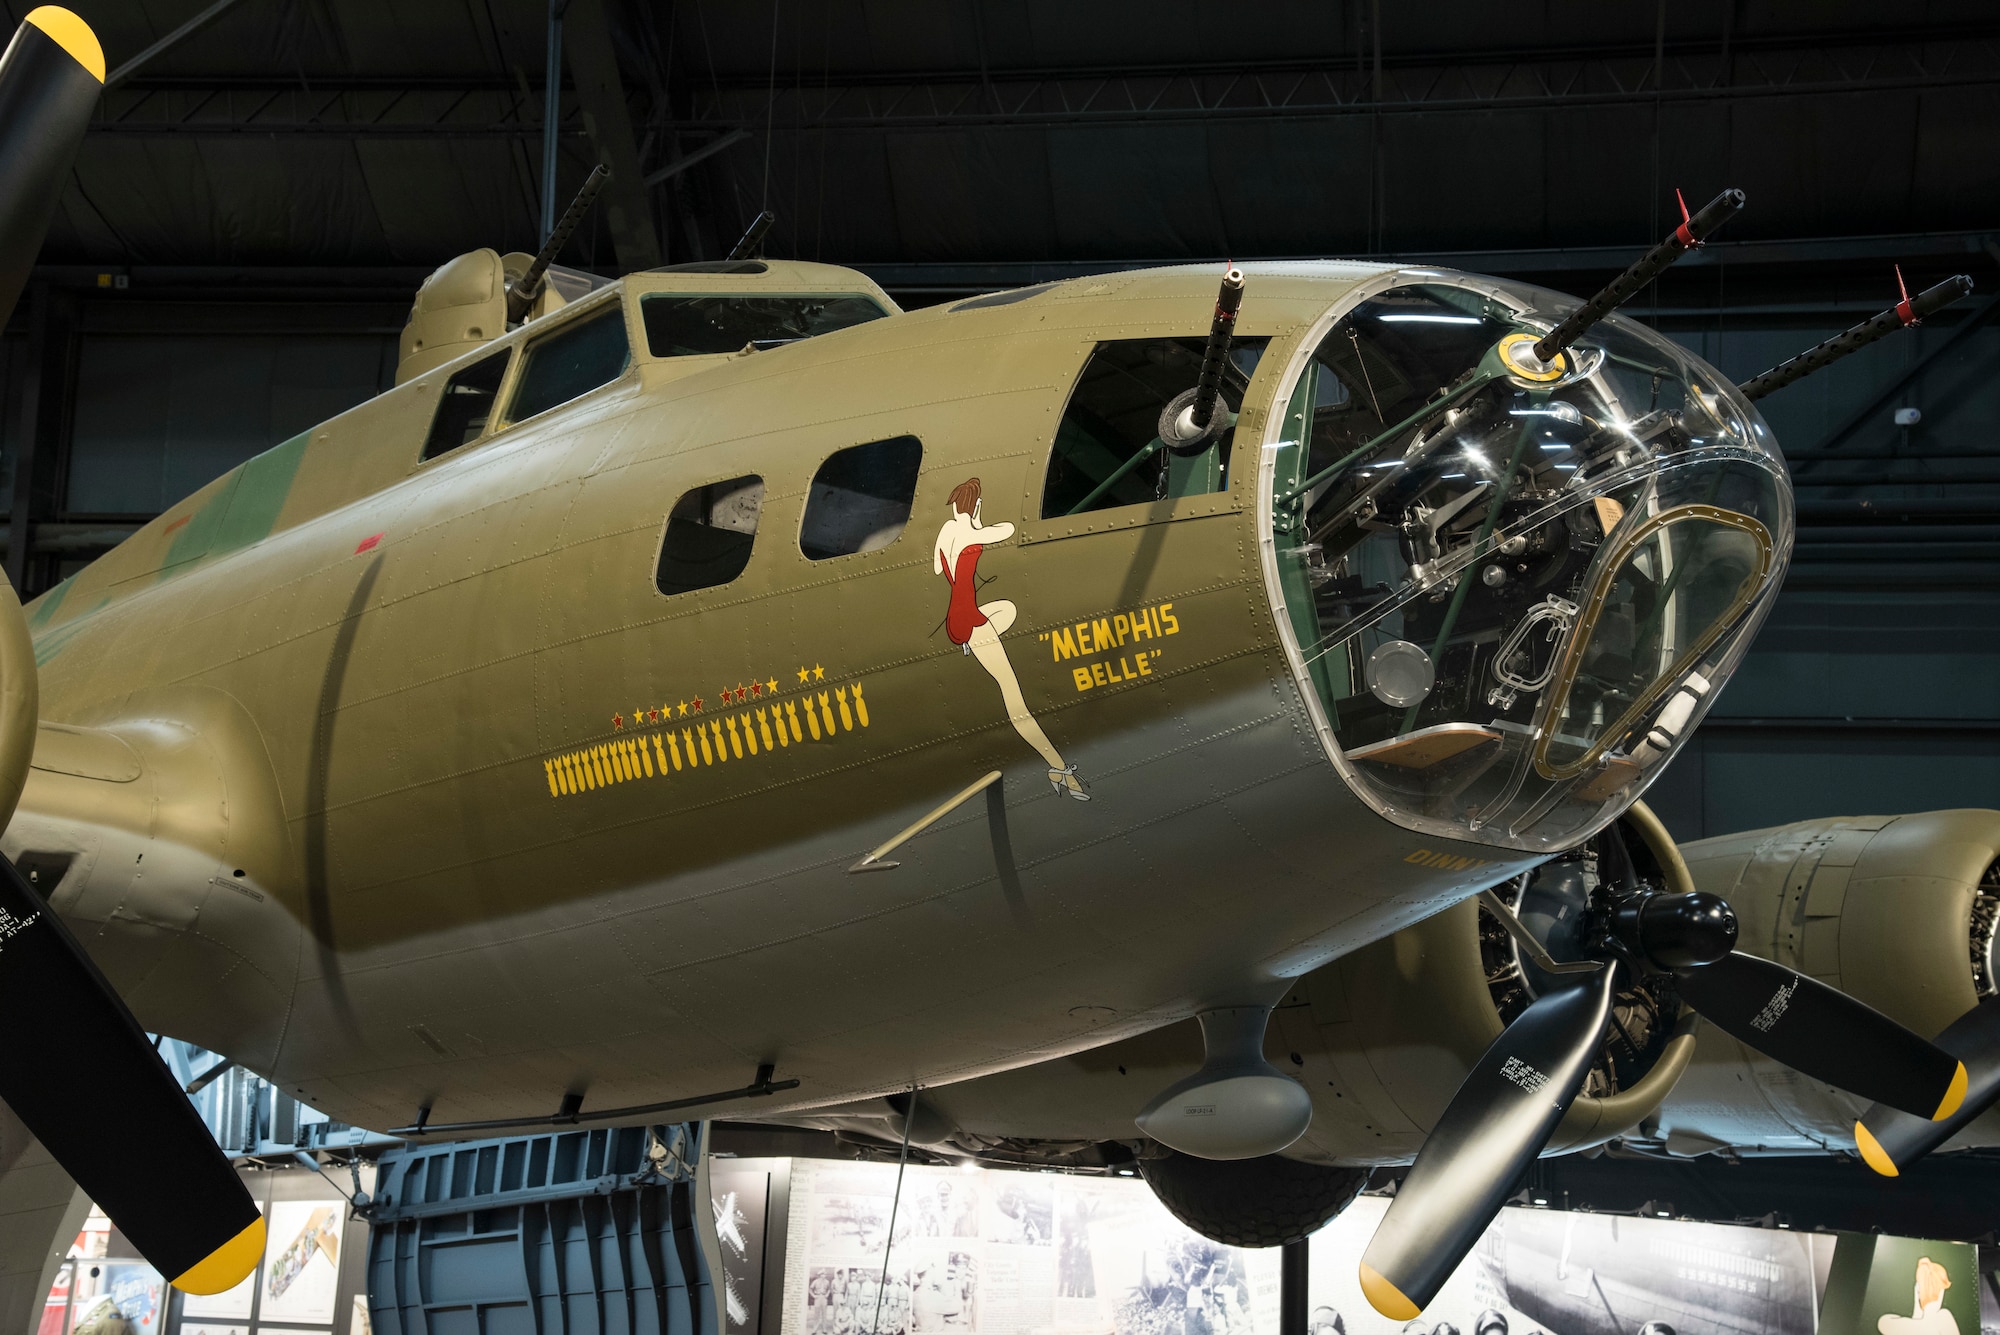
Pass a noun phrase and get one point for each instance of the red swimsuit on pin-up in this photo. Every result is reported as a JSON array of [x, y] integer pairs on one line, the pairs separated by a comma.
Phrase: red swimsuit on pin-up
[[963, 617]]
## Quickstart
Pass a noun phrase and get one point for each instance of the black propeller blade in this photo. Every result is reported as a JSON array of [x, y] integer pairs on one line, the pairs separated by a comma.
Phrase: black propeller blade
[[1825, 1034], [169, 1189], [1891, 1141], [1810, 1027], [1497, 1122], [50, 78]]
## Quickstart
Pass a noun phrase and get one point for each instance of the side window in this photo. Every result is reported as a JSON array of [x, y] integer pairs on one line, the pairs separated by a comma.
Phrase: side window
[[1107, 448], [860, 498], [466, 405], [709, 535], [570, 362]]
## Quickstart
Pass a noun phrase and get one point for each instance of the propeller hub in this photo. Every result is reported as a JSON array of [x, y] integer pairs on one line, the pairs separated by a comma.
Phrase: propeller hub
[[1680, 931]]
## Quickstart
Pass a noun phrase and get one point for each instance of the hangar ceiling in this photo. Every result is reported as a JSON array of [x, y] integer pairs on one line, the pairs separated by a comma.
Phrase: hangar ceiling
[[303, 132]]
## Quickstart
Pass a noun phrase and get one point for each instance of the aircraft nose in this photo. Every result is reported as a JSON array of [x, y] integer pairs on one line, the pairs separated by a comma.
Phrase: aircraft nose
[[1514, 587]]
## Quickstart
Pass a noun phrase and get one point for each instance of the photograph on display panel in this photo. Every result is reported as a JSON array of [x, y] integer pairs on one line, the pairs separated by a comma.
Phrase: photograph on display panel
[[1125, 1265], [302, 1261], [853, 1300], [944, 1205], [1587, 1274], [739, 1199], [1901, 1286], [1024, 1210], [130, 1300], [1008, 1253], [944, 1290]]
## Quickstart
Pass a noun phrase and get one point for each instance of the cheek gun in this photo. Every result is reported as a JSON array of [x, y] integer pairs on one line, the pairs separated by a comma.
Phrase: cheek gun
[[1191, 419], [1910, 310], [1694, 229]]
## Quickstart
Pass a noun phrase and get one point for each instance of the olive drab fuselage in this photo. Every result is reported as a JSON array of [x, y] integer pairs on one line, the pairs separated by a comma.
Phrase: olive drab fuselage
[[428, 796]]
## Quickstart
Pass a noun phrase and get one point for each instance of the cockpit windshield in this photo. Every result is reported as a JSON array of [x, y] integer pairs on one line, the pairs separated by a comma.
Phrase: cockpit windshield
[[1514, 587], [706, 323]]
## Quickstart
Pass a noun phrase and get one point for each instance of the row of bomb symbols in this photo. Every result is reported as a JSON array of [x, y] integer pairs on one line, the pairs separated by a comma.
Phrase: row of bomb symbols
[[715, 740]]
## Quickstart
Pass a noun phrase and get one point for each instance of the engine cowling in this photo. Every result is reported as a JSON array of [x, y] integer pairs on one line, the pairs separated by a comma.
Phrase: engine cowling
[[1898, 911]]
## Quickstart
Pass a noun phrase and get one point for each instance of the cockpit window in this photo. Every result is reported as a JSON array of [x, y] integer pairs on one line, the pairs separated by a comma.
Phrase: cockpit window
[[1107, 448], [698, 325], [1514, 591], [466, 404], [571, 362]]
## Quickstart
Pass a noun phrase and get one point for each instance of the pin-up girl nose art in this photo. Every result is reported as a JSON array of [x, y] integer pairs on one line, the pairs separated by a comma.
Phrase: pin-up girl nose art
[[977, 627]]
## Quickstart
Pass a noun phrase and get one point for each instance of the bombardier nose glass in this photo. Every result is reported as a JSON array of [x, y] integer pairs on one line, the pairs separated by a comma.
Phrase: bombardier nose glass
[[1516, 587]]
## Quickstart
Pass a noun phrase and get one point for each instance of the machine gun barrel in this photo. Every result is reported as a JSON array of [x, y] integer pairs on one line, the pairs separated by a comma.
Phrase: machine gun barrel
[[1822, 355], [1679, 242], [521, 296], [752, 240], [1221, 330]]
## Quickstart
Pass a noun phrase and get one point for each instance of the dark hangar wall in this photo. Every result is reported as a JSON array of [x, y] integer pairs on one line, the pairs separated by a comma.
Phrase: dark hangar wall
[[249, 217]]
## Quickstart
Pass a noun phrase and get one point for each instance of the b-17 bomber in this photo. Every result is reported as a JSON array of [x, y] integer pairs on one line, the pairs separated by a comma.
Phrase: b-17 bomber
[[718, 689]]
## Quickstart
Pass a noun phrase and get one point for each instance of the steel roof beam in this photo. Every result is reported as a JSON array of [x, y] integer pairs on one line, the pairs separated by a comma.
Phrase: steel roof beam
[[170, 41], [593, 65]]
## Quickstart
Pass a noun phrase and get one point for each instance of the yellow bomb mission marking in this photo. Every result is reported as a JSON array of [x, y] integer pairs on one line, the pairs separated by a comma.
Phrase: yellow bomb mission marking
[[1106, 636], [711, 741]]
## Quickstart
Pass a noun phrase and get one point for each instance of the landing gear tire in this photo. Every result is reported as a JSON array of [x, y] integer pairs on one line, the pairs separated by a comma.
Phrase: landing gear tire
[[1265, 1202]]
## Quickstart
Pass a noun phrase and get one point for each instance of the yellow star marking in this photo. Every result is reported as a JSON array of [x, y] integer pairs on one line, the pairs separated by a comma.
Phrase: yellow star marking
[[771, 686], [819, 673], [684, 708], [805, 674]]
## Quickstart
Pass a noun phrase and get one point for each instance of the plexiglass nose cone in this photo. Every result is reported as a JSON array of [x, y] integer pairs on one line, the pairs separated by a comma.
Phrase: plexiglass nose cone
[[1512, 587]]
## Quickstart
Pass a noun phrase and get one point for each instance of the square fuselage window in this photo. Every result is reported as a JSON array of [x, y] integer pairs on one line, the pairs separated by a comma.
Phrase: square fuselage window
[[709, 535], [860, 498], [1107, 449]]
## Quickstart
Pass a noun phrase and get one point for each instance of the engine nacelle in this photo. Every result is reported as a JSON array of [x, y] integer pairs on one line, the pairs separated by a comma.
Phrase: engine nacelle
[[1898, 911]]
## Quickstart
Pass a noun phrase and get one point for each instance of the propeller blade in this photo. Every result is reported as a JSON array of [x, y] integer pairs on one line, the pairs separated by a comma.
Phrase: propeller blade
[[144, 1156], [1497, 1123], [50, 77], [169, 1188], [1890, 1140], [1825, 1034]]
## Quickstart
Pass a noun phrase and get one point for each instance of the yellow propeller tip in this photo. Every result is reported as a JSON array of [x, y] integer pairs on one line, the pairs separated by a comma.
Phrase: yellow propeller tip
[[225, 1267], [1953, 1096], [72, 34], [1385, 1297], [1872, 1152]]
